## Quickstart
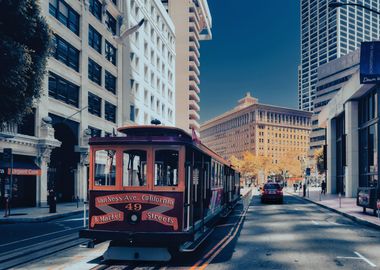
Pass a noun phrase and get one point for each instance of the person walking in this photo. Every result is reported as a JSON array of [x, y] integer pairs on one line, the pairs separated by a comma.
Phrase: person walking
[[323, 186]]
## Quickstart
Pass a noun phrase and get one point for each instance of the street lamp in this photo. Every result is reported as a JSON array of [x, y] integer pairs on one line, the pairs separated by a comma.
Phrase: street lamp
[[338, 4]]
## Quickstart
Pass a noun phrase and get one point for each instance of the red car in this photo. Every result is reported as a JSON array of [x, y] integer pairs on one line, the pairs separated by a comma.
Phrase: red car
[[272, 192]]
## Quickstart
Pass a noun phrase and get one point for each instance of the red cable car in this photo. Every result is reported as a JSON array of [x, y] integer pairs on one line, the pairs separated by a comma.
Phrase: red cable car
[[155, 191]]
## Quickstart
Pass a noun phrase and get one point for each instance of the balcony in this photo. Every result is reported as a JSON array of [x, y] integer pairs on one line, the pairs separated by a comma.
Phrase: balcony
[[193, 105], [193, 124], [194, 86], [193, 38], [194, 115], [194, 77], [193, 67], [194, 96], [194, 48], [193, 57]]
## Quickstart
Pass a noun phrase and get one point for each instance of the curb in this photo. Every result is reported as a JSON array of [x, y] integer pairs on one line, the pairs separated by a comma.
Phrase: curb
[[353, 218], [39, 219]]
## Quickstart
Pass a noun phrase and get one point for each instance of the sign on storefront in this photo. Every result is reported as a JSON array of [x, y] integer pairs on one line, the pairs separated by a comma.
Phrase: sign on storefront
[[370, 62]]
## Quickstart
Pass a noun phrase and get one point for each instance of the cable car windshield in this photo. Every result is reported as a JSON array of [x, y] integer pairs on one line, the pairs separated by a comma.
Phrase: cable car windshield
[[134, 168], [166, 168]]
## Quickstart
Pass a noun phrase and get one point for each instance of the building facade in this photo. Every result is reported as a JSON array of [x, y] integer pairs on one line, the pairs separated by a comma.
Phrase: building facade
[[331, 77], [352, 122], [192, 20], [327, 34], [150, 54], [82, 96], [261, 129]]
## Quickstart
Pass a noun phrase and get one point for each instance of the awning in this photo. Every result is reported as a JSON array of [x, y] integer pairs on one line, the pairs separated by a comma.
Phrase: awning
[[22, 165]]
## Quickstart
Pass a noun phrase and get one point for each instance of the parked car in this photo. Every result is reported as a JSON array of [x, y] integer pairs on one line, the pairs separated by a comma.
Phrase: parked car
[[272, 192]]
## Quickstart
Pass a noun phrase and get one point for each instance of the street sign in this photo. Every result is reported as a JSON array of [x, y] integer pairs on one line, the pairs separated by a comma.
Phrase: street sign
[[307, 172], [370, 62]]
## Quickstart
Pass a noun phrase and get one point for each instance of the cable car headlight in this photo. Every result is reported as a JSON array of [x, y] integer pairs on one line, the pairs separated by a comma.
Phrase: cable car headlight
[[133, 217]]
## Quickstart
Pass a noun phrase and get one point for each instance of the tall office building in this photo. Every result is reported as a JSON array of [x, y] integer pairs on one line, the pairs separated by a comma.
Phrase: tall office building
[[327, 34], [150, 54], [192, 21]]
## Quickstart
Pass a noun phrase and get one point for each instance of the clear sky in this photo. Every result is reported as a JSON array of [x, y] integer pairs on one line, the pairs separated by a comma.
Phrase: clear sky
[[255, 47]]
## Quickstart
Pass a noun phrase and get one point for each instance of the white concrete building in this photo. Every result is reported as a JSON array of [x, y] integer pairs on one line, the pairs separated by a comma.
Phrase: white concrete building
[[331, 77], [193, 22], [352, 122], [82, 95], [150, 52], [328, 34]]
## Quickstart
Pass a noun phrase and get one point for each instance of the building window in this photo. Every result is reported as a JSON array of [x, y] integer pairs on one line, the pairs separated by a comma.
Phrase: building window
[[65, 14], [110, 52], [63, 90], [94, 72], [132, 113], [111, 23], [94, 104], [95, 132], [96, 9], [110, 112], [94, 39], [368, 139], [110, 82], [65, 53]]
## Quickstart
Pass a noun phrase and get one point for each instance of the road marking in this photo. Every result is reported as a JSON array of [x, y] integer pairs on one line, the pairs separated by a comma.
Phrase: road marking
[[73, 219], [296, 209], [315, 223], [365, 259], [38, 236]]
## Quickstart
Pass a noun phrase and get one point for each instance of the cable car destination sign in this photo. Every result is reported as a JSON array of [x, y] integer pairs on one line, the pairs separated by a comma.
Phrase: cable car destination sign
[[370, 62]]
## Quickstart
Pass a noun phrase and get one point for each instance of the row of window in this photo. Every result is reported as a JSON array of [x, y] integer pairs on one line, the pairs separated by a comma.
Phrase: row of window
[[95, 41], [135, 167], [95, 108], [95, 75], [70, 18], [68, 92]]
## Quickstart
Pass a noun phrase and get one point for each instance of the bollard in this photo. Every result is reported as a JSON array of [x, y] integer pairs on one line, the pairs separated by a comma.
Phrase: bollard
[[84, 214], [77, 199], [320, 196], [340, 200]]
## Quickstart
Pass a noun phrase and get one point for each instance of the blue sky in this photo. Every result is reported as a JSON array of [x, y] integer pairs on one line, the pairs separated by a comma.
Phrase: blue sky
[[255, 48]]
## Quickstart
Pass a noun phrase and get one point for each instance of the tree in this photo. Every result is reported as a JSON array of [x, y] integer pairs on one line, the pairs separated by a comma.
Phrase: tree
[[289, 164], [319, 160], [24, 49]]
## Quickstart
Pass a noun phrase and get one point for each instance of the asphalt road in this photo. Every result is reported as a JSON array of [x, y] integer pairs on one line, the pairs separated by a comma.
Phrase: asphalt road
[[294, 235], [14, 236]]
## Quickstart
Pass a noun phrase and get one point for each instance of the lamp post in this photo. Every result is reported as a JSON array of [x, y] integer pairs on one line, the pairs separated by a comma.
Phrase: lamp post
[[333, 5]]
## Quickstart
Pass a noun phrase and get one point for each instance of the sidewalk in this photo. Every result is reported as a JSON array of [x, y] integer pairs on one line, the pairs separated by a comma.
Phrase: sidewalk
[[348, 207], [40, 214]]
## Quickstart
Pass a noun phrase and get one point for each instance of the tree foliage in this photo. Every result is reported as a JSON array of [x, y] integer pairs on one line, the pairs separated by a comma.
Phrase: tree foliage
[[319, 160], [289, 165], [24, 48]]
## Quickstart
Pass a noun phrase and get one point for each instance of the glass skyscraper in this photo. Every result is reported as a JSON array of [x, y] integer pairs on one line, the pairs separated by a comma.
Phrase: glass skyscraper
[[327, 34]]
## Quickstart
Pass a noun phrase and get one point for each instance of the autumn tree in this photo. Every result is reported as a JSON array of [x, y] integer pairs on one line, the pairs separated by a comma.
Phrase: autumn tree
[[24, 48], [289, 164], [319, 160]]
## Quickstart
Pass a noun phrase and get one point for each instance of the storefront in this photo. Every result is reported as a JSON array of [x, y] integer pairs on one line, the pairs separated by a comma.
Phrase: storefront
[[19, 181]]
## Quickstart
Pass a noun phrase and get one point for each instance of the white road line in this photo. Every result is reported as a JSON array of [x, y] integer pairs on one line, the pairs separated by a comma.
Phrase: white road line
[[296, 209], [315, 223], [350, 258], [38, 236], [365, 259]]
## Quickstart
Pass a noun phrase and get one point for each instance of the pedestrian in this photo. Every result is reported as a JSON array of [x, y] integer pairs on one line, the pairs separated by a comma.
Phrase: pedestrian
[[323, 186]]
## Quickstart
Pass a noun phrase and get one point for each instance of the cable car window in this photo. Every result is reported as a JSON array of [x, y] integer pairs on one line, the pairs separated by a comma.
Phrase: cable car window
[[213, 177], [105, 168], [134, 168], [166, 168]]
